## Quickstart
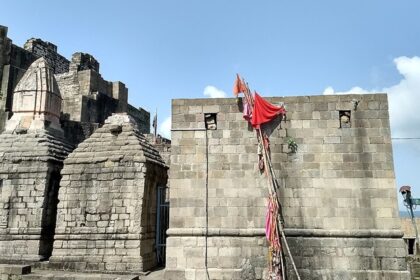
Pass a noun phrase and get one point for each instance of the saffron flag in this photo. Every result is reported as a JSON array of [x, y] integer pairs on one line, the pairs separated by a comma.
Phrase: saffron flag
[[264, 111], [239, 86]]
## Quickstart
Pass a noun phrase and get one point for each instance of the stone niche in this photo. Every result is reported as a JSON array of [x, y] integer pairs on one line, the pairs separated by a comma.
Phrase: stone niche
[[32, 150], [107, 210]]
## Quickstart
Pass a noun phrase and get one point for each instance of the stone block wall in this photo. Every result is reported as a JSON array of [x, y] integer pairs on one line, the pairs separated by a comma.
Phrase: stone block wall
[[141, 116], [338, 190], [40, 48], [4, 48], [83, 61], [29, 175], [22, 203], [107, 211], [87, 97]]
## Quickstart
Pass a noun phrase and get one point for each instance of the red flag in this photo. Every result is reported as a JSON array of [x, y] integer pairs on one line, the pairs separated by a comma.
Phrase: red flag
[[239, 86], [264, 111]]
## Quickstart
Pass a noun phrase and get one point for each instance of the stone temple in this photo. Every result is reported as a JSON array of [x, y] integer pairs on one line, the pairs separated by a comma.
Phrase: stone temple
[[85, 189]]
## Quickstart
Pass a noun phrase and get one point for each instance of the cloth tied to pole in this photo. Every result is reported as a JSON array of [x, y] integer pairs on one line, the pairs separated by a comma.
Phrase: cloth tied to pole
[[264, 111]]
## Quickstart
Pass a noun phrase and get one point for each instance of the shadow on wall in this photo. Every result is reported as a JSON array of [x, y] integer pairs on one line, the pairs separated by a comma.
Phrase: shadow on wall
[[49, 214]]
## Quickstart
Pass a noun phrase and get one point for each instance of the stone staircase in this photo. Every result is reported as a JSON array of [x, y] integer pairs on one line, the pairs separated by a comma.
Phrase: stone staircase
[[415, 270], [414, 264]]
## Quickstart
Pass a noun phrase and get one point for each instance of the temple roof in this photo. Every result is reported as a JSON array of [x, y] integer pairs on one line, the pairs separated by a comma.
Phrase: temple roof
[[39, 76], [118, 140]]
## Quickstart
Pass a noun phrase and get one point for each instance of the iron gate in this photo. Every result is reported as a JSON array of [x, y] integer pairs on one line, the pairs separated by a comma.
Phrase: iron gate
[[162, 223]]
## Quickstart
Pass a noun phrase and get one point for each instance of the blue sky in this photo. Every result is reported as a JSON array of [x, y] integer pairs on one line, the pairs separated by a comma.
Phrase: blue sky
[[177, 49]]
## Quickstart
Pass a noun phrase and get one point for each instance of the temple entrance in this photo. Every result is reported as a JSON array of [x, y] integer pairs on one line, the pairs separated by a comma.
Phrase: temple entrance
[[162, 223]]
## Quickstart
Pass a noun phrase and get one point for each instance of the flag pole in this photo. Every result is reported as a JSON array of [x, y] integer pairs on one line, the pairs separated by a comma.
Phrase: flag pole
[[272, 188], [155, 126]]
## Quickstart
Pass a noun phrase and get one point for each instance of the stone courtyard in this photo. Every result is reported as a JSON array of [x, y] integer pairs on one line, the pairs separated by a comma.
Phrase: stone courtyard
[[85, 188]]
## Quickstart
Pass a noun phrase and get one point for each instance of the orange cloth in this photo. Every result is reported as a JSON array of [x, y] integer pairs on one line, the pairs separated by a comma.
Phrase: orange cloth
[[239, 86]]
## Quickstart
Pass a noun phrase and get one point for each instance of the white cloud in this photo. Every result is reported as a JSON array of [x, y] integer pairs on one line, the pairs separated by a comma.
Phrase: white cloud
[[353, 90], [164, 128], [403, 98], [214, 92]]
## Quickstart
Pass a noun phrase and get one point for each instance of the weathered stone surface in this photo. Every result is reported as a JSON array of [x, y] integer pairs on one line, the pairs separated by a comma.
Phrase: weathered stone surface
[[107, 212], [48, 51], [68, 275], [32, 150], [88, 99], [337, 191], [36, 100]]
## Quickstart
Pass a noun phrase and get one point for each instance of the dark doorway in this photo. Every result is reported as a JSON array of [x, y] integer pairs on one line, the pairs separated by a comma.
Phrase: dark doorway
[[49, 215], [411, 242], [162, 223]]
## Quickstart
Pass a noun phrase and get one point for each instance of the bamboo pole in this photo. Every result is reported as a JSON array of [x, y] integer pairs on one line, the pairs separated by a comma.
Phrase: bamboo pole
[[272, 186]]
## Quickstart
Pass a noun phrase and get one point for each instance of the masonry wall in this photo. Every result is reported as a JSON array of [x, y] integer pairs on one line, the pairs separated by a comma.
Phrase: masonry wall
[[141, 116], [87, 97], [338, 191], [48, 50], [107, 212], [21, 206], [29, 177], [99, 219]]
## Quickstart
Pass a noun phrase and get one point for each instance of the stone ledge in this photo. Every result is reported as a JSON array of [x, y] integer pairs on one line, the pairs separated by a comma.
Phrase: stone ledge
[[98, 236], [357, 274], [67, 275], [289, 232], [215, 232], [15, 269]]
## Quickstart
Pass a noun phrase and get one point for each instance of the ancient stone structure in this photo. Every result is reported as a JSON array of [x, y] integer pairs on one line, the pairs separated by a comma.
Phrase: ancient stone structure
[[338, 190], [88, 99], [107, 210], [409, 234], [32, 150], [96, 207], [107, 213]]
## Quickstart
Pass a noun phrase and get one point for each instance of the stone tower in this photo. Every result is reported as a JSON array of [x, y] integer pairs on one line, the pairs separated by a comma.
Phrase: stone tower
[[32, 150], [107, 210]]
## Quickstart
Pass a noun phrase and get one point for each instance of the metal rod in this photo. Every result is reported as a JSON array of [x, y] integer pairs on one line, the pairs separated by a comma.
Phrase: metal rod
[[207, 205]]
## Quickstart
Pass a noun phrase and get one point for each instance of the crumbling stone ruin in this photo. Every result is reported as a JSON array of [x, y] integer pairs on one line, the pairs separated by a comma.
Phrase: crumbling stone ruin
[[337, 190]]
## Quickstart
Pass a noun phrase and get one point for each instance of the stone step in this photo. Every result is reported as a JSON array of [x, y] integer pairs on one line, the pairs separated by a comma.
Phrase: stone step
[[67, 275], [416, 270], [15, 269]]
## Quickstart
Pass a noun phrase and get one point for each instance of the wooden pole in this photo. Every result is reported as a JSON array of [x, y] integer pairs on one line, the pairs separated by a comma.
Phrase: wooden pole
[[272, 187]]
